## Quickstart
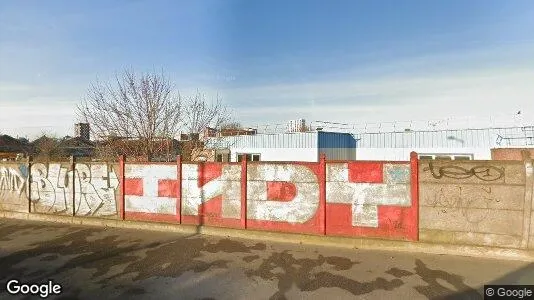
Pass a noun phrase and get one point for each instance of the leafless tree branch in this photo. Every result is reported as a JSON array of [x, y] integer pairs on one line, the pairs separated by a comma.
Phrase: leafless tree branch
[[147, 108], [144, 107]]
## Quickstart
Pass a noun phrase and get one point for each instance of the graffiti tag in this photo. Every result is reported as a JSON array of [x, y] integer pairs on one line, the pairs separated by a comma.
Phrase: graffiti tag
[[52, 189], [473, 205], [482, 172]]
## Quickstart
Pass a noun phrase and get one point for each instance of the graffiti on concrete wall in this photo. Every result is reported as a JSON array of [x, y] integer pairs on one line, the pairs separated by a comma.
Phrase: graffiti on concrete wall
[[200, 186], [154, 189], [211, 191], [151, 188], [278, 196], [482, 172], [472, 202], [392, 188], [53, 188], [299, 207], [13, 181]]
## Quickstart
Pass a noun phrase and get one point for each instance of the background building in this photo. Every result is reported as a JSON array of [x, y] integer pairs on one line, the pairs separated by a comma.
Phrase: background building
[[12, 148], [293, 146], [453, 138], [81, 130], [442, 144]]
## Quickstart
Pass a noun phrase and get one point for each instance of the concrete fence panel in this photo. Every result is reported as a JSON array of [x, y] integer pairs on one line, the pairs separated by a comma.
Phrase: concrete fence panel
[[65, 188], [370, 199], [211, 194], [150, 192], [481, 203], [14, 186], [96, 189], [284, 197], [344, 198], [472, 202], [52, 188]]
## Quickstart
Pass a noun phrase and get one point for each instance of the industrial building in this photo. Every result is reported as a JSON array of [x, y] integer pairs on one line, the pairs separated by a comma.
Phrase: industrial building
[[289, 146], [466, 144], [297, 141]]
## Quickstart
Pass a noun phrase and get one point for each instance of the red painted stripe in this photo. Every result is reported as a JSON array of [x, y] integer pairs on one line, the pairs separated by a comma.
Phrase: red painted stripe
[[392, 222], [281, 191], [208, 172], [133, 186], [310, 227], [179, 188], [211, 215], [322, 191], [366, 172], [122, 189], [168, 188], [412, 218]]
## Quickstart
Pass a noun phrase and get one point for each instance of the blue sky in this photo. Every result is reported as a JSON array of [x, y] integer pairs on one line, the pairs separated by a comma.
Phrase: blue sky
[[271, 61]]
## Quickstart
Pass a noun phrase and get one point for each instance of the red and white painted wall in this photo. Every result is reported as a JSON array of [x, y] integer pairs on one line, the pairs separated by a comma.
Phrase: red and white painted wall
[[345, 198]]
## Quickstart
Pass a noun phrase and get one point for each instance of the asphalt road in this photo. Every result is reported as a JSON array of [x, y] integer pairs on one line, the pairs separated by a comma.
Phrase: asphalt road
[[110, 263]]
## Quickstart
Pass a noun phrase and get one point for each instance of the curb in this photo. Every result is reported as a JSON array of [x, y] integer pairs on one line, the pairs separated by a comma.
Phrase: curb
[[293, 238]]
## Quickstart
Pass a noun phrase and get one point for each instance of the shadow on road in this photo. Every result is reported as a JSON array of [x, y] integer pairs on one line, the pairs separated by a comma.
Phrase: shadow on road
[[524, 275]]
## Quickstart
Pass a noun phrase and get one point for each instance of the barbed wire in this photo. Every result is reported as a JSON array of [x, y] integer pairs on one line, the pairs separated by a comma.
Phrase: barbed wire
[[463, 122]]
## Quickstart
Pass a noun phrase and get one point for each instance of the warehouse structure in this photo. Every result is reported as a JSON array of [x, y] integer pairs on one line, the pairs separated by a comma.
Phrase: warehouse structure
[[288, 146], [442, 144], [298, 141]]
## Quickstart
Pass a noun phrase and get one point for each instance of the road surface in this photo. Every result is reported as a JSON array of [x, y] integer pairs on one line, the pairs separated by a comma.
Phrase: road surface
[[111, 263]]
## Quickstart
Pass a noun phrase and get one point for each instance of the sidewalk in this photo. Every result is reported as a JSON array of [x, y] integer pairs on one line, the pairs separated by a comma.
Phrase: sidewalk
[[330, 241]]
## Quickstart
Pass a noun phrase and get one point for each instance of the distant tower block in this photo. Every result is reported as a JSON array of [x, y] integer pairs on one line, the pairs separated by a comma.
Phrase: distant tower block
[[81, 130], [296, 125]]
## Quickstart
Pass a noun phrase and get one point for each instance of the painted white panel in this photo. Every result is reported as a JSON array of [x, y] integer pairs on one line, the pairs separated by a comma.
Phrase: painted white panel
[[150, 202], [159, 205], [366, 197], [299, 210], [228, 186]]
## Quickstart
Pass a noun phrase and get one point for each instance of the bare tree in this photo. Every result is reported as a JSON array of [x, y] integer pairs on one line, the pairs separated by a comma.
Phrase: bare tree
[[139, 115], [45, 148], [201, 116], [142, 107]]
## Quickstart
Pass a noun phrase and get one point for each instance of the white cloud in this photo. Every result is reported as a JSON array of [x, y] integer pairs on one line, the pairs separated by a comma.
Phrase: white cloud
[[490, 92]]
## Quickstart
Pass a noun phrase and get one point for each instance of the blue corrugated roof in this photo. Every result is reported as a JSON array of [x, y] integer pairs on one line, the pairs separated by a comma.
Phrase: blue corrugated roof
[[336, 140]]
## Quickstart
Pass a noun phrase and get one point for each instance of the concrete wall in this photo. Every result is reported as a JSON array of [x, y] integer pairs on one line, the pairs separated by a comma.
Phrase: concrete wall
[[13, 192], [90, 189], [477, 202], [338, 198], [371, 199], [487, 203]]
